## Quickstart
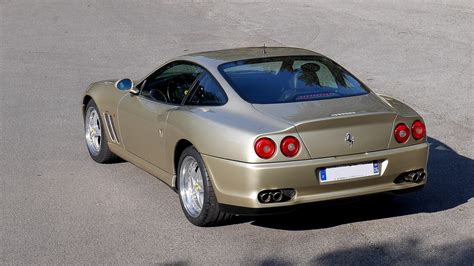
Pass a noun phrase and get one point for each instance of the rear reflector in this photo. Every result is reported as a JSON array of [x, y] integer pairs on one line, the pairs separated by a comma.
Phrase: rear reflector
[[418, 130], [265, 148], [290, 146], [402, 133]]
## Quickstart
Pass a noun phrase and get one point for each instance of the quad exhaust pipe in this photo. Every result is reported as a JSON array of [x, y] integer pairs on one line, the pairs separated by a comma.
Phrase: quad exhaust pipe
[[416, 176], [277, 195]]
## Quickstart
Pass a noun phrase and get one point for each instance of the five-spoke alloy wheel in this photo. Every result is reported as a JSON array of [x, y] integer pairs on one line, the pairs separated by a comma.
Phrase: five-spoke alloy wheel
[[96, 138], [196, 194], [93, 131], [191, 187]]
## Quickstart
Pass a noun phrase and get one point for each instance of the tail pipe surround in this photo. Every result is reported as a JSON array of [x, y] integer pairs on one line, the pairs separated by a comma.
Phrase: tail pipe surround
[[276, 195], [416, 176]]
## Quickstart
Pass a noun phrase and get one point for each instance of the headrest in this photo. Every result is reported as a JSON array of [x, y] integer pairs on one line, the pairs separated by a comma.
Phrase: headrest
[[310, 67]]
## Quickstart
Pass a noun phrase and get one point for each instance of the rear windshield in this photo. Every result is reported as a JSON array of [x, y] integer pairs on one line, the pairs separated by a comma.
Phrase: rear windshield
[[290, 79]]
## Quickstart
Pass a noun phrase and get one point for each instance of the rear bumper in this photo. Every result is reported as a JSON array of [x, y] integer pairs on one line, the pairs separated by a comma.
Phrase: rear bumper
[[285, 209], [237, 184]]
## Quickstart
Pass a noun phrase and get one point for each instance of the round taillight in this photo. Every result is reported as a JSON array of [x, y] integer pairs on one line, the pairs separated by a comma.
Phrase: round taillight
[[265, 148], [402, 133], [418, 130], [290, 146]]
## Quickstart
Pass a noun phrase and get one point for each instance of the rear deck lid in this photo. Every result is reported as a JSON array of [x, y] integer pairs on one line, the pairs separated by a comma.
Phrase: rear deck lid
[[336, 127]]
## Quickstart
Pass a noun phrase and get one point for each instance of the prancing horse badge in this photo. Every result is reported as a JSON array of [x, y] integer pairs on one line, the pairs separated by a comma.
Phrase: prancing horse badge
[[349, 139]]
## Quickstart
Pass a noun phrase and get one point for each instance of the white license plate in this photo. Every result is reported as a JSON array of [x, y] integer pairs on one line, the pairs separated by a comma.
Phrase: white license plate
[[348, 172]]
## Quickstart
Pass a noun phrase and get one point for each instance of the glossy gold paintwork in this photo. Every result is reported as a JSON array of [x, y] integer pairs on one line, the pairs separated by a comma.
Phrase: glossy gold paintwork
[[243, 181], [149, 132]]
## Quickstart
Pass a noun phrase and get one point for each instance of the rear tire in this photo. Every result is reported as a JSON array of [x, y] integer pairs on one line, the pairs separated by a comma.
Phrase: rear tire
[[196, 194], [96, 135]]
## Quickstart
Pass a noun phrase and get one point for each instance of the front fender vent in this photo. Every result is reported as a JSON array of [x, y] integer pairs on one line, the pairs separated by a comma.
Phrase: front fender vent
[[109, 122]]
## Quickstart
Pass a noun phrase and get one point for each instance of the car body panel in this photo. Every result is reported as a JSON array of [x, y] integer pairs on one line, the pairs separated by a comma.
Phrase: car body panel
[[238, 183], [367, 119], [367, 133], [217, 132], [148, 134], [142, 123], [163, 175]]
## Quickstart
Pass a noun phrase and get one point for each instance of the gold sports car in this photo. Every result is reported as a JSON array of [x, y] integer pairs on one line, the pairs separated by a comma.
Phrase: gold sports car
[[257, 131]]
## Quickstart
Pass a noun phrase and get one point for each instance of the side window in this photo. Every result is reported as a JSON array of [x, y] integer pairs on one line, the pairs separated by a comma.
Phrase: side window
[[207, 92], [350, 82], [171, 83]]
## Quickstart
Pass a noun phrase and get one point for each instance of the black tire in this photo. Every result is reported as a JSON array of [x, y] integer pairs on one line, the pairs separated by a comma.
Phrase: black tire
[[104, 155], [210, 214]]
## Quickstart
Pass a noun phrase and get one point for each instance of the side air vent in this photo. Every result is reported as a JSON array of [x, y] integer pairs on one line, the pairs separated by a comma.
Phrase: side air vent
[[109, 121]]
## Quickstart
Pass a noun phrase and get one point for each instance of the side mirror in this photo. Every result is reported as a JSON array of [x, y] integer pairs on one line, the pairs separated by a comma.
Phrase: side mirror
[[126, 85]]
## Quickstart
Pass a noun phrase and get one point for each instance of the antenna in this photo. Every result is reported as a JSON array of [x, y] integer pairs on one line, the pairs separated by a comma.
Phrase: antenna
[[264, 52]]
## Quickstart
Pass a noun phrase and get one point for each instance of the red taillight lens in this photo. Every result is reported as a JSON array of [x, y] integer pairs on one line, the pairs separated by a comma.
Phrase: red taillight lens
[[418, 130], [402, 133], [265, 148], [290, 146]]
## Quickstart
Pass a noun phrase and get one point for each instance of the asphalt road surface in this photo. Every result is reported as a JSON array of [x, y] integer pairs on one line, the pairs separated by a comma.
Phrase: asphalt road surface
[[58, 206]]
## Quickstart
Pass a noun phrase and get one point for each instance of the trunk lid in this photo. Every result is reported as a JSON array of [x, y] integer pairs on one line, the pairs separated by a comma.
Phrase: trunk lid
[[337, 127]]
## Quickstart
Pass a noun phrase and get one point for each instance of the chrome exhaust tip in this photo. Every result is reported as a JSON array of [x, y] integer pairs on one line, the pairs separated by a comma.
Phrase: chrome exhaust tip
[[410, 177], [420, 177], [265, 197], [416, 179], [415, 176], [277, 196]]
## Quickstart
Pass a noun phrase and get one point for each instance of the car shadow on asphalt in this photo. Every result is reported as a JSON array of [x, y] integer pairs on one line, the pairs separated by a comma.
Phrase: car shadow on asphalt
[[407, 251], [450, 183]]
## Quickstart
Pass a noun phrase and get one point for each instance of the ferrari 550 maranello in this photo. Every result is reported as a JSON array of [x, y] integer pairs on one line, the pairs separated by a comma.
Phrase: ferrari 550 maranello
[[257, 131]]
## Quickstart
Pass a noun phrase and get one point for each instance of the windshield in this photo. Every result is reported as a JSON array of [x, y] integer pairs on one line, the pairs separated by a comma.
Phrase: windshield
[[290, 79]]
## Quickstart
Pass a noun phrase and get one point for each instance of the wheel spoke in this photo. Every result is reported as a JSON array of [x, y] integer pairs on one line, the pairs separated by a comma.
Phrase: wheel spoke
[[201, 198], [97, 132], [96, 142]]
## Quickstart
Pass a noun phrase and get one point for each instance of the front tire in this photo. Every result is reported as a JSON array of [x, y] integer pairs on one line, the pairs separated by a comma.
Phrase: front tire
[[196, 194], [95, 134]]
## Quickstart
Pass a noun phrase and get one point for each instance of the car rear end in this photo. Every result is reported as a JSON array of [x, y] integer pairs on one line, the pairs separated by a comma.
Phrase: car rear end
[[347, 156], [247, 187], [343, 140]]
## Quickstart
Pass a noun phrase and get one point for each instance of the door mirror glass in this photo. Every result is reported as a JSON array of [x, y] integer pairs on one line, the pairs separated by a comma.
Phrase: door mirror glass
[[124, 84]]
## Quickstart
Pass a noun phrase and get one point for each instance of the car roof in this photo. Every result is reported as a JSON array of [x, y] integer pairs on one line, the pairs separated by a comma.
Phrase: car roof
[[218, 57]]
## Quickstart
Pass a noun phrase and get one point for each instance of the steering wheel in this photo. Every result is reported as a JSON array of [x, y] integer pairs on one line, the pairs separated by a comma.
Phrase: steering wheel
[[158, 95], [171, 84], [168, 89], [176, 90]]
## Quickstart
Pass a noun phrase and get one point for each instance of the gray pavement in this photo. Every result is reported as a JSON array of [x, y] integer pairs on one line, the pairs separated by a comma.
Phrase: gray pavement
[[58, 206]]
